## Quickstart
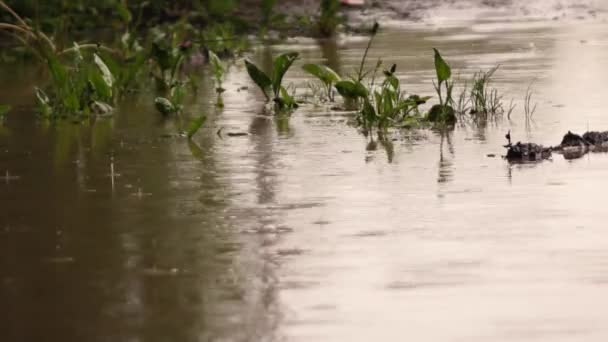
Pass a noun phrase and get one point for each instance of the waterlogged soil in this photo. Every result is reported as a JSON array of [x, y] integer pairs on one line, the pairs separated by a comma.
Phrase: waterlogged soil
[[303, 231]]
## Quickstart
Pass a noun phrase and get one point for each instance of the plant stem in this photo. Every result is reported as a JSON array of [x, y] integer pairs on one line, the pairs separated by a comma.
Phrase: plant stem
[[90, 46], [369, 45], [15, 15]]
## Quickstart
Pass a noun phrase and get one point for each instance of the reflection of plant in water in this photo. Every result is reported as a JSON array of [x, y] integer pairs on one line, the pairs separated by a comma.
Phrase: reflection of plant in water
[[219, 69], [445, 164]]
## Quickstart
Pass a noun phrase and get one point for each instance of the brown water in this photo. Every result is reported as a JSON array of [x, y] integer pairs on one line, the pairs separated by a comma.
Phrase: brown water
[[297, 232]]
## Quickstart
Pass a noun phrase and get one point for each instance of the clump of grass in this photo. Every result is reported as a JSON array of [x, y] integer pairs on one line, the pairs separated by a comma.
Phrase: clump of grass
[[462, 105], [486, 101]]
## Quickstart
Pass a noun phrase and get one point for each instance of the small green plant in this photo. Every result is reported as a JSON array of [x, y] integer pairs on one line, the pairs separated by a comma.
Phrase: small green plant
[[443, 112], [281, 97], [84, 87], [389, 106], [219, 70], [326, 75], [167, 60]]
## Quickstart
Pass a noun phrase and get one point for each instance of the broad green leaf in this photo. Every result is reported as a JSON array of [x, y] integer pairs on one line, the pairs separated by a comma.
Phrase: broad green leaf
[[322, 72], [259, 77], [4, 109], [164, 106], [442, 68], [100, 86], [351, 89], [58, 71], [195, 125], [107, 76], [280, 66]]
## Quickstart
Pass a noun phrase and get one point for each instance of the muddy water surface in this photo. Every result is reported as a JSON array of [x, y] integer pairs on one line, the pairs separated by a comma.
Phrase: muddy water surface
[[301, 231]]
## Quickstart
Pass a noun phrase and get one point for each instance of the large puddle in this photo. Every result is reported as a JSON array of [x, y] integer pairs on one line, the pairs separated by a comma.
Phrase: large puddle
[[300, 231]]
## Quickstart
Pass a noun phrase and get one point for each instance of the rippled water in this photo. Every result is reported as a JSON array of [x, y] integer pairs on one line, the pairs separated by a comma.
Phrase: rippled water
[[300, 232]]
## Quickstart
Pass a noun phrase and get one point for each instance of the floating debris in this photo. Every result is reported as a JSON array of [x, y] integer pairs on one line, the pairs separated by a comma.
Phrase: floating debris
[[522, 152], [572, 146]]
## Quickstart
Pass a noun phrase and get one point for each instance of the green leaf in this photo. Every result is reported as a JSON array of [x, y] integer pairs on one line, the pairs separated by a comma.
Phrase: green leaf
[[351, 89], [280, 67], [259, 77], [58, 71], [164, 106], [4, 109], [107, 76], [442, 68], [195, 125], [100, 86], [323, 73]]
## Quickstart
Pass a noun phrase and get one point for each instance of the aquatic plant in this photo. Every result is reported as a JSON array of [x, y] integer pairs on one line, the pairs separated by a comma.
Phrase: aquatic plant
[[274, 82], [326, 75], [486, 102], [167, 61], [443, 112], [77, 89], [389, 106]]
